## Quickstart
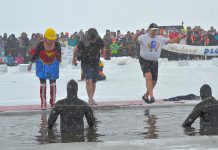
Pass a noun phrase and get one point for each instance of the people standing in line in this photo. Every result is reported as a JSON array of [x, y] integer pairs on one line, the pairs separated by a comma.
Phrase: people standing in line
[[72, 111], [89, 51], [48, 57], [150, 49]]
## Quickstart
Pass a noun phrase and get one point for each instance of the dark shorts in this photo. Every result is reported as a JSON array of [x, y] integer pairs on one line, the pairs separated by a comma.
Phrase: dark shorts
[[90, 72], [149, 66]]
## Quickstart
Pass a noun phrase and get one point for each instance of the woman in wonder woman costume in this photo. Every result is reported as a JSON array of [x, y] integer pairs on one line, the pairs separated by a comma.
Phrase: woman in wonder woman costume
[[47, 56]]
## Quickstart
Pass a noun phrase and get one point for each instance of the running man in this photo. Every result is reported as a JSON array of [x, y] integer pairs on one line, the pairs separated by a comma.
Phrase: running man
[[150, 49], [47, 56]]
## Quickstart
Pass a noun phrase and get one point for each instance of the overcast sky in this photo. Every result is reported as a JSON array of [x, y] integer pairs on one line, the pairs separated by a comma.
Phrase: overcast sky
[[72, 15]]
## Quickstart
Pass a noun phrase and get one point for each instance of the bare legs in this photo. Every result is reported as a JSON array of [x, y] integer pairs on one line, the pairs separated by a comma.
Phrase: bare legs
[[150, 84], [90, 88]]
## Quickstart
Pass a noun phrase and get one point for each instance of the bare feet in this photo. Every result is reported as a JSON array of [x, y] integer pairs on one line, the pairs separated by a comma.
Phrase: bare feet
[[92, 102]]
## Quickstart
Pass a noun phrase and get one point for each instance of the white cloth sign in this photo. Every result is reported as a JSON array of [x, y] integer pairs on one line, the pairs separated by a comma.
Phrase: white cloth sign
[[194, 50]]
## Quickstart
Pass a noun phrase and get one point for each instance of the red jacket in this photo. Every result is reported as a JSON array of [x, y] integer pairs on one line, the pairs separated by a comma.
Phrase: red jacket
[[173, 35]]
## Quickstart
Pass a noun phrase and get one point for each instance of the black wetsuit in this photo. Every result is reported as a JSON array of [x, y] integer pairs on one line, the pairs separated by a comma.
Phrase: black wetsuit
[[207, 110], [72, 111]]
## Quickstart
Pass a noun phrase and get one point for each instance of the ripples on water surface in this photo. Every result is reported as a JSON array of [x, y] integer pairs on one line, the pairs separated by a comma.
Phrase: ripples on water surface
[[112, 125]]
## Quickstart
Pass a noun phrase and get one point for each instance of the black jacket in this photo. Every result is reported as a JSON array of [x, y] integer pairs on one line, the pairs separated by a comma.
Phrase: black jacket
[[89, 53], [207, 110]]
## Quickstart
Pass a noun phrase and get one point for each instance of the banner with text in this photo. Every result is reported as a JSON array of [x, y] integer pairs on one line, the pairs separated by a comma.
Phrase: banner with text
[[193, 50]]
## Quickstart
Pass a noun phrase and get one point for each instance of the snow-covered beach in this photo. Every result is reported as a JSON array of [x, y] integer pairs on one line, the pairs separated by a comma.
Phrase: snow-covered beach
[[124, 81]]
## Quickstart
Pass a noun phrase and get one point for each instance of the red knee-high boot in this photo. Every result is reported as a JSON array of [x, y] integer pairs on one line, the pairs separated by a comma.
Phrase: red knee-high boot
[[53, 91], [43, 95]]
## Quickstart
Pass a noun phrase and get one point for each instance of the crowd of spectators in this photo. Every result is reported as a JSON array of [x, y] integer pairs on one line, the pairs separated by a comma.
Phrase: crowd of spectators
[[195, 36], [15, 50]]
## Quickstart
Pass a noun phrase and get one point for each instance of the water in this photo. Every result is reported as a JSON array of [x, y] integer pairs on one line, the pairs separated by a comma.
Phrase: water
[[127, 124]]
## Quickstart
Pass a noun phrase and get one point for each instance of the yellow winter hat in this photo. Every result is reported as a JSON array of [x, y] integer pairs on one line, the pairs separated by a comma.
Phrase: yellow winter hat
[[50, 34]]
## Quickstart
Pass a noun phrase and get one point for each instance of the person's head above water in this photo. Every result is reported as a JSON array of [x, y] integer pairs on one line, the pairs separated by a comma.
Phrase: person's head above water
[[205, 92], [72, 88]]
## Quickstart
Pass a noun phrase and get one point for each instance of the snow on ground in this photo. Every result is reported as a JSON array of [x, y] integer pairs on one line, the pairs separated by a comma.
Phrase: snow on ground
[[124, 81]]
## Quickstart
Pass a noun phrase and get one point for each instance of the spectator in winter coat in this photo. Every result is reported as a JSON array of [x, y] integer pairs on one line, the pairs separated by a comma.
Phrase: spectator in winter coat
[[2, 47], [216, 38], [72, 111], [107, 41], [33, 41], [119, 37], [12, 45], [114, 48], [5, 38], [129, 44], [189, 36], [23, 46], [174, 34], [72, 41], [62, 40], [10, 60], [19, 59], [1, 61]]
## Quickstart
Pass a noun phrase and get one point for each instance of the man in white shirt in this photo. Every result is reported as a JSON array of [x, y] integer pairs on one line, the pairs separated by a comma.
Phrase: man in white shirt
[[150, 49]]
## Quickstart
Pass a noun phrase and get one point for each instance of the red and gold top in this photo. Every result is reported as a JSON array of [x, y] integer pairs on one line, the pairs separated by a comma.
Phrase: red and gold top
[[47, 56]]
